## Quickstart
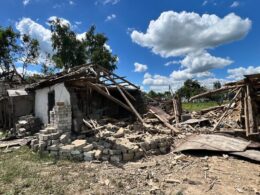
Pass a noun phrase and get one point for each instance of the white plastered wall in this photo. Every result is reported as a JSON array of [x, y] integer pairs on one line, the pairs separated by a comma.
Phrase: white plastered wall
[[41, 99]]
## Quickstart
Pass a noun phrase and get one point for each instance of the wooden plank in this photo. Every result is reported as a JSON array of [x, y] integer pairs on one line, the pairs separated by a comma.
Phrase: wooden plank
[[130, 104], [246, 114], [99, 90], [165, 121], [208, 93], [160, 112], [213, 142], [224, 114], [253, 128]]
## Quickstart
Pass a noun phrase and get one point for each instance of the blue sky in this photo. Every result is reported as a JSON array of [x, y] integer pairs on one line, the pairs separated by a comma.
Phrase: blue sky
[[207, 40]]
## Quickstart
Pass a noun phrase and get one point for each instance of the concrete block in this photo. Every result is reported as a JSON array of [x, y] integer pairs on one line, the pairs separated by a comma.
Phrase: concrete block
[[64, 138], [116, 158], [98, 154], [88, 148], [67, 148], [89, 156], [75, 152], [115, 152], [79, 143], [128, 156]]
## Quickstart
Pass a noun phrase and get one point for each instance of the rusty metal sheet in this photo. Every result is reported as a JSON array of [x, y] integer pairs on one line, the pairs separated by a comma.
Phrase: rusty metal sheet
[[160, 113], [250, 154], [214, 143]]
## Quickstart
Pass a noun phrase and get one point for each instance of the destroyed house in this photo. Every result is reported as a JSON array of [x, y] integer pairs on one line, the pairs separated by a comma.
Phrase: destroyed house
[[90, 91], [245, 105]]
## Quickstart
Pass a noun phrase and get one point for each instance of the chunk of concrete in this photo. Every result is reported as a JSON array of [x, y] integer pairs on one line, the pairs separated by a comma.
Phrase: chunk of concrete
[[79, 143], [88, 148], [120, 133]]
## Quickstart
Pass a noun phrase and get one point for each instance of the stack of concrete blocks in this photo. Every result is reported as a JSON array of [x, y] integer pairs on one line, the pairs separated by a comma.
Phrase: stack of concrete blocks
[[27, 125], [57, 133]]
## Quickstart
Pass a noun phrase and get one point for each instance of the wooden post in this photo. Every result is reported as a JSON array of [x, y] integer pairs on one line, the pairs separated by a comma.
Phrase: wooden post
[[177, 108], [251, 111], [246, 113]]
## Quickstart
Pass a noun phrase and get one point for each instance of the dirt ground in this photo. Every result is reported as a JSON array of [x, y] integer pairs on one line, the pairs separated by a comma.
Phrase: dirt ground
[[23, 172]]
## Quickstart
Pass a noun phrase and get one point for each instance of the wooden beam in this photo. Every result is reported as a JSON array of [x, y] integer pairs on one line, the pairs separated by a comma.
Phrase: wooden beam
[[101, 91], [130, 104], [165, 122], [229, 105], [208, 93]]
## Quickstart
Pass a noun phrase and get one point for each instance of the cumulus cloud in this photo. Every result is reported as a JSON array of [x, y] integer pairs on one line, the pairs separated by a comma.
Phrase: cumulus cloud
[[234, 4], [175, 34], [36, 31], [140, 67], [202, 61], [238, 73], [110, 17], [190, 36]]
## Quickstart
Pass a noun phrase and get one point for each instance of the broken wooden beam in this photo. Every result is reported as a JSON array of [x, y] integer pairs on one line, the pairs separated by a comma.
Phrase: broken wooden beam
[[229, 105], [102, 92], [212, 92]]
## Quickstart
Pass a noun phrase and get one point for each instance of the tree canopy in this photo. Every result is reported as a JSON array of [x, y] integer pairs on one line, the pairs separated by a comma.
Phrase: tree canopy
[[11, 52], [71, 50], [190, 88]]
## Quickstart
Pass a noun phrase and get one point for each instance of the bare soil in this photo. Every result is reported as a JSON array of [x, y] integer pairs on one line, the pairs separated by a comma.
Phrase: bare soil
[[23, 172]]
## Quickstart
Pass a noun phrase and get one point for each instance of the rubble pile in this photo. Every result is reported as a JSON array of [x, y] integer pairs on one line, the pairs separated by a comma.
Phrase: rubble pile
[[119, 142], [27, 125]]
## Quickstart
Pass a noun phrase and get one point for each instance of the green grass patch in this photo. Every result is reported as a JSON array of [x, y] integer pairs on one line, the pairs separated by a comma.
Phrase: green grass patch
[[197, 106]]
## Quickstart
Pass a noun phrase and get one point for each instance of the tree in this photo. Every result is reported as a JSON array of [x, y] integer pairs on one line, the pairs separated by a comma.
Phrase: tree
[[217, 97], [11, 52], [190, 88], [97, 52], [29, 53], [71, 51], [8, 48]]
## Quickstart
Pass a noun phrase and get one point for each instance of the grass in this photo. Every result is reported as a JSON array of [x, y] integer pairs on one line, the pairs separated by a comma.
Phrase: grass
[[190, 106]]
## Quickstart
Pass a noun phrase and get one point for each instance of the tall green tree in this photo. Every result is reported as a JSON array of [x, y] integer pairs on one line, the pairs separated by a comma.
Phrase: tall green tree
[[71, 51], [97, 52], [190, 88]]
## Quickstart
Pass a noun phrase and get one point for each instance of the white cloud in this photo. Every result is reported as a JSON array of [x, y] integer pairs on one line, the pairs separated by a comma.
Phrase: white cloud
[[27, 72], [238, 73], [108, 48], [171, 62], [140, 67], [36, 31], [202, 61], [26, 2], [71, 2], [175, 34], [63, 20], [235, 4], [113, 2], [204, 3], [43, 35], [78, 22], [110, 17]]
